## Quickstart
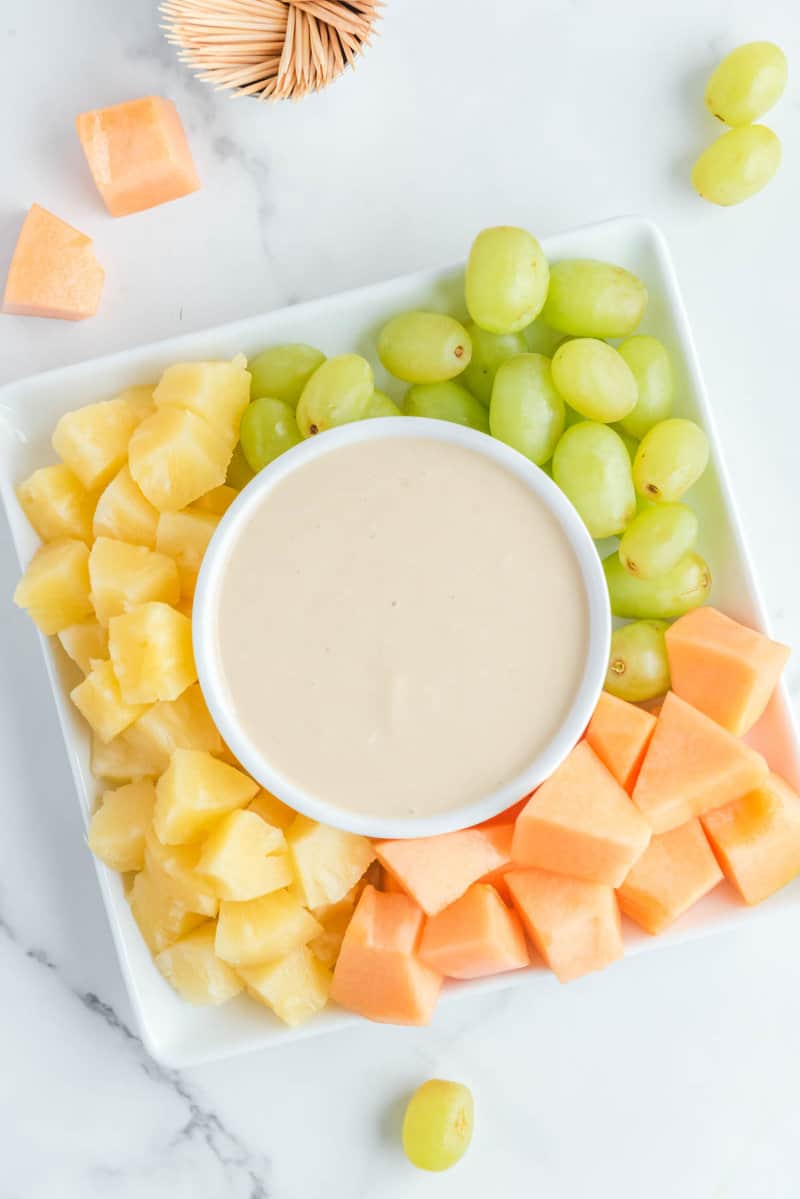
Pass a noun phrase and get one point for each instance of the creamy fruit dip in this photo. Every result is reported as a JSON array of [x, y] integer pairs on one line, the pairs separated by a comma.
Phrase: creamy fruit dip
[[401, 627]]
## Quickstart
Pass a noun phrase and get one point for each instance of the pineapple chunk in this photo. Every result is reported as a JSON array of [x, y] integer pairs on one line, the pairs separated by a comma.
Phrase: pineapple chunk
[[99, 701], [175, 457], [218, 392], [93, 441], [296, 987], [56, 504], [327, 861], [176, 867], [239, 472], [184, 537], [122, 576], [183, 723], [85, 643], [116, 762], [151, 648], [123, 513], [117, 829], [216, 501], [272, 809], [193, 969], [334, 918], [54, 590], [263, 929], [161, 917], [242, 857], [194, 793]]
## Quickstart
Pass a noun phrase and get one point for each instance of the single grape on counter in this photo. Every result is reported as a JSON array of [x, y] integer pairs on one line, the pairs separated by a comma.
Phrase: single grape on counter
[[437, 1127]]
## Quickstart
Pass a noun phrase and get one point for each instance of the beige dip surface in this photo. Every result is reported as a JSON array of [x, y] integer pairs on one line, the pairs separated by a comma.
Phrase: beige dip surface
[[402, 626]]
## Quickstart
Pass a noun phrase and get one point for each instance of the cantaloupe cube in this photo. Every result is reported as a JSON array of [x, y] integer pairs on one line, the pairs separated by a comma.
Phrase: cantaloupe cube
[[54, 590], [476, 936], [123, 513], [175, 867], [184, 537], [115, 762], [161, 917], [117, 829], [581, 823], [85, 643], [193, 969], [53, 270], [295, 987], [723, 668], [619, 733], [217, 391], [327, 861], [151, 648], [217, 501], [575, 925], [243, 857], [123, 576], [272, 809], [379, 973], [675, 870], [56, 504], [692, 766], [100, 702], [194, 793], [435, 871], [263, 929], [137, 153], [176, 456], [93, 440], [182, 723], [757, 839]]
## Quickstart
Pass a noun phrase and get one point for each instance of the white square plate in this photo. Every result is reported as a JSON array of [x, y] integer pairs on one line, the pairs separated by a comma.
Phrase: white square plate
[[173, 1031]]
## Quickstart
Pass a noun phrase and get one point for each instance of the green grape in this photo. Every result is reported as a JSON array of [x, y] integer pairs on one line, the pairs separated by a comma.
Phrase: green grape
[[588, 298], [281, 372], [337, 393], [638, 666], [526, 411], [656, 539], [541, 339], [747, 83], [424, 347], [670, 458], [649, 362], [672, 594], [592, 468], [506, 279], [437, 1126], [447, 401], [594, 379], [381, 405], [239, 473], [737, 165], [268, 428], [489, 351]]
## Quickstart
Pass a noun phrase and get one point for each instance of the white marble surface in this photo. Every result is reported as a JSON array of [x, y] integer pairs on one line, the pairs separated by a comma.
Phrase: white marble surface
[[674, 1074]]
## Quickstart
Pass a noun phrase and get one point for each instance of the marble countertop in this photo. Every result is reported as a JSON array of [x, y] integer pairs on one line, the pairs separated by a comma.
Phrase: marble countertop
[[673, 1074]]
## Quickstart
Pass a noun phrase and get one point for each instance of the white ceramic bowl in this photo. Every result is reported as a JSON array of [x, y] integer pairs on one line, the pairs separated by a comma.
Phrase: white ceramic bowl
[[209, 667]]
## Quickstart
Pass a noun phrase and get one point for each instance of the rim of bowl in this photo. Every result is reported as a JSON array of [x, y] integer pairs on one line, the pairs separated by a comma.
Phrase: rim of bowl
[[209, 667]]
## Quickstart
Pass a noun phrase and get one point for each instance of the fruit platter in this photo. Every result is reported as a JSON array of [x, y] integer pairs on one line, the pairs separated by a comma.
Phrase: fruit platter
[[112, 511]]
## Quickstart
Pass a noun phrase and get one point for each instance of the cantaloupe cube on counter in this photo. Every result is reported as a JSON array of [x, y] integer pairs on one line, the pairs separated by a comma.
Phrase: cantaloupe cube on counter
[[676, 870], [123, 576], [723, 668], [474, 937], [192, 968], [581, 823], [194, 793], [99, 700], [53, 270], [151, 649], [175, 868], [692, 766], [619, 733], [54, 589], [118, 827], [84, 643], [379, 973], [56, 504], [757, 839], [137, 153], [93, 440], [123, 513], [295, 987], [575, 925], [435, 871]]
